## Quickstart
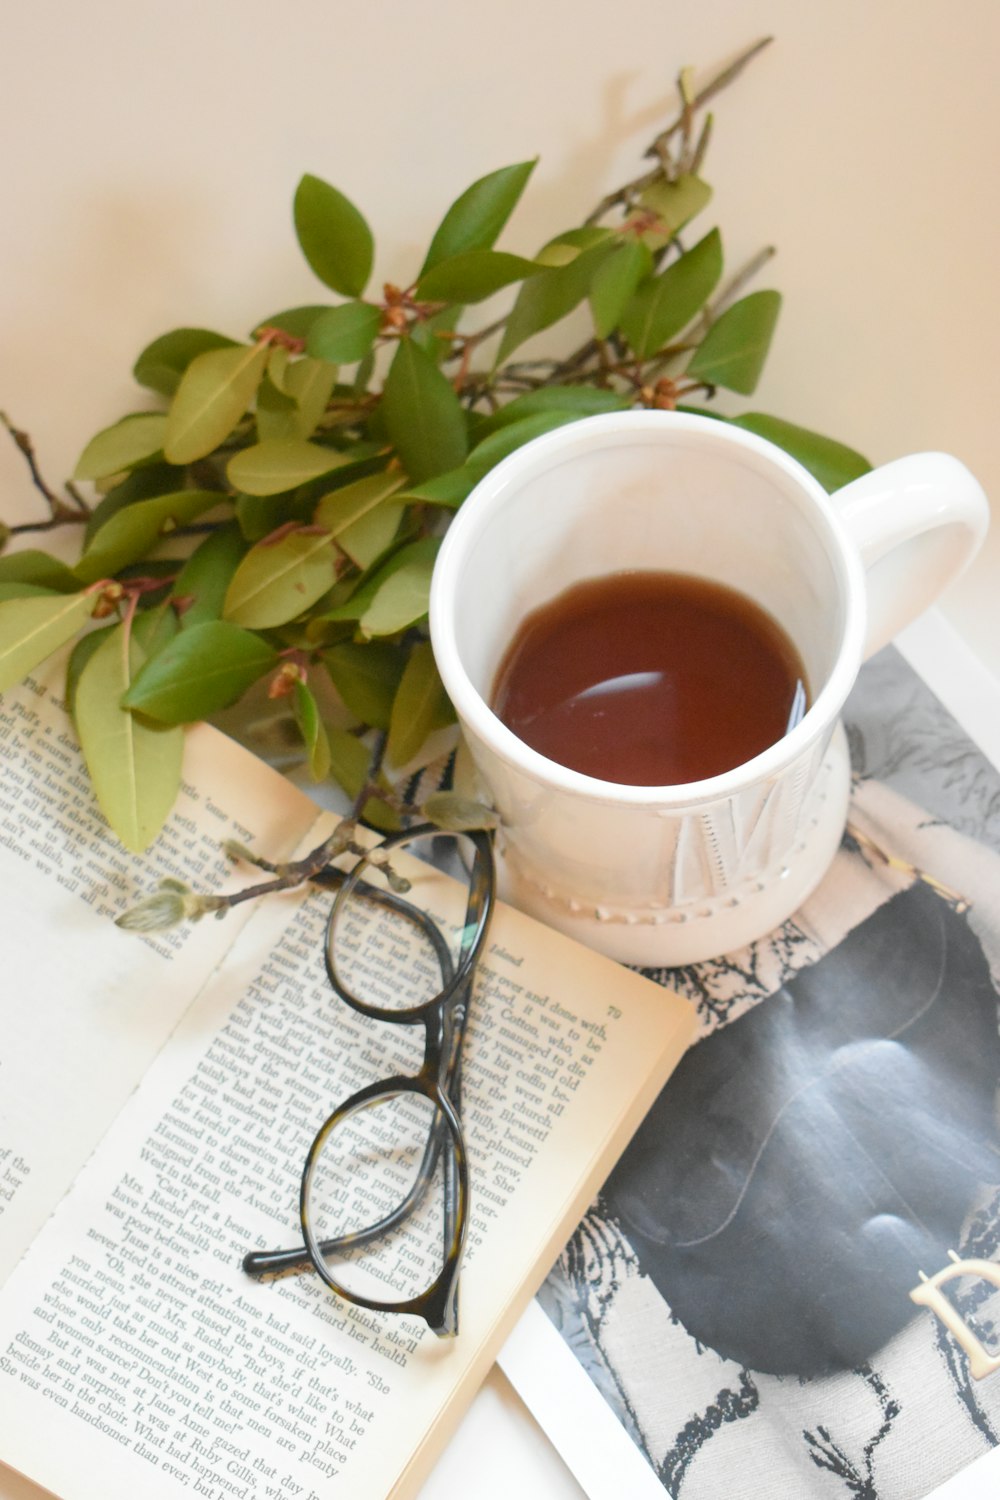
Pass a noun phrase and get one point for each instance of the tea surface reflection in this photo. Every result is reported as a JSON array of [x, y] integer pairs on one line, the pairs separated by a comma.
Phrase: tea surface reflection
[[649, 679]]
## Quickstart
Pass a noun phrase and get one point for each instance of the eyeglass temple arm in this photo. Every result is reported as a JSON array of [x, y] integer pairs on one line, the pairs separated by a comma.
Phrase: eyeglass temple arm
[[481, 893]]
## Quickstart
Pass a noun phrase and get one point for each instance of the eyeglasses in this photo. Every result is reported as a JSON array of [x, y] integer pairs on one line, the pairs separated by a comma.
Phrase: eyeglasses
[[385, 1189]]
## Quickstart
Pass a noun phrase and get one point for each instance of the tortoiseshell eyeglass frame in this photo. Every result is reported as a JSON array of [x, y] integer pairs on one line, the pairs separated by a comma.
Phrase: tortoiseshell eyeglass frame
[[444, 1017]]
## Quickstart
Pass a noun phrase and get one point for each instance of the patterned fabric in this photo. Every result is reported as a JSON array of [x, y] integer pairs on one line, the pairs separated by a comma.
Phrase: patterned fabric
[[739, 1291]]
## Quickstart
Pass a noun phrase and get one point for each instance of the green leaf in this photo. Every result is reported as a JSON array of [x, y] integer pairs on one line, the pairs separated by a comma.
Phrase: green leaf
[[423, 416], [26, 591], [344, 334], [415, 559], [162, 363], [215, 391], [280, 464], [122, 446], [580, 400], [295, 321], [199, 672], [154, 628], [164, 569], [310, 382], [366, 677], [277, 414], [132, 533], [514, 435], [81, 653], [135, 768], [447, 490], [367, 538], [277, 364], [434, 334], [567, 245], [259, 515], [401, 601], [363, 374], [832, 463], [33, 566], [676, 203], [334, 237], [733, 351], [474, 275], [350, 761], [280, 578], [202, 582], [32, 628], [668, 302], [314, 737], [341, 508], [476, 218], [549, 296], [615, 281], [142, 484], [460, 814], [418, 708], [362, 456]]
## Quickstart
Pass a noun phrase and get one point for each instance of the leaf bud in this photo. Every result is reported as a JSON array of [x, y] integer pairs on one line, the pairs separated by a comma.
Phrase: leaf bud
[[283, 682], [108, 600], [237, 852], [171, 903], [396, 882]]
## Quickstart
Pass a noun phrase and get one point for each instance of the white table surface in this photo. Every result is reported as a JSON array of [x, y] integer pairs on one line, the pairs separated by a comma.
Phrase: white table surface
[[128, 118]]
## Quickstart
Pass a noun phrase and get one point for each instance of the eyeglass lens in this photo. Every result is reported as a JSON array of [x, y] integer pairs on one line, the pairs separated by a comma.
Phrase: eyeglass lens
[[375, 1200], [400, 933]]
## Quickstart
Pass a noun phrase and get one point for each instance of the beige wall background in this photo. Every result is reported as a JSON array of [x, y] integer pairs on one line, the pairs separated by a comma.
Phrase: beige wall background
[[151, 152]]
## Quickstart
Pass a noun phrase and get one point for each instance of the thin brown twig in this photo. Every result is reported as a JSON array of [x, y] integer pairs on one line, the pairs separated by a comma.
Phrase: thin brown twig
[[294, 873], [683, 163], [715, 85], [702, 145], [69, 519], [733, 288], [370, 785], [658, 146], [59, 512]]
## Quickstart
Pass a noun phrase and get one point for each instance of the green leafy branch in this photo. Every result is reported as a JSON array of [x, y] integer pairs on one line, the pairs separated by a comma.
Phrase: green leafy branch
[[276, 517]]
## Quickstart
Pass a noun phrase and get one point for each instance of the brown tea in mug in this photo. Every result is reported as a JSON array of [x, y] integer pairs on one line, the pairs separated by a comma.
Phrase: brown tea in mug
[[651, 679]]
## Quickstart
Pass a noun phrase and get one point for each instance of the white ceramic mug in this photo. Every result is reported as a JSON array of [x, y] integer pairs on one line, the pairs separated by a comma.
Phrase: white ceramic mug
[[677, 874]]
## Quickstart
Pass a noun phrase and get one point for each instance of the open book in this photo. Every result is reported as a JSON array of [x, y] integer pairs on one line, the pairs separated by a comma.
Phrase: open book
[[157, 1097]]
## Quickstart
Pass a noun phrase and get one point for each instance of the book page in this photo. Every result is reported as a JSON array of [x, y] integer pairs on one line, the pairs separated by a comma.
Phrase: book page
[[136, 1356], [86, 1006]]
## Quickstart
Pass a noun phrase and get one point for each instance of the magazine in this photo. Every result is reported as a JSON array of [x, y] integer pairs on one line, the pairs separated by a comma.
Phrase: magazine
[[738, 1296]]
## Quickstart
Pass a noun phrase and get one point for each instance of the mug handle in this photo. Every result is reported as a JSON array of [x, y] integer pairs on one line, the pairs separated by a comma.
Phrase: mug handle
[[917, 523]]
